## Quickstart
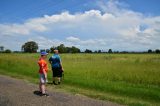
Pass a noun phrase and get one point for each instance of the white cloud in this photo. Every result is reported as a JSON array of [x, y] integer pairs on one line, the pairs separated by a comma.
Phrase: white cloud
[[13, 29], [114, 26], [45, 43], [72, 39]]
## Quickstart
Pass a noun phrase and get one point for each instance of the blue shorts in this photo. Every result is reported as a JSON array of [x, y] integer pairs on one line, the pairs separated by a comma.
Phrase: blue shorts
[[43, 80]]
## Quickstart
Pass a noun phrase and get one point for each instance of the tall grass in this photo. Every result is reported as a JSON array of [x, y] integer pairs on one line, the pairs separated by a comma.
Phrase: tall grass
[[129, 75]]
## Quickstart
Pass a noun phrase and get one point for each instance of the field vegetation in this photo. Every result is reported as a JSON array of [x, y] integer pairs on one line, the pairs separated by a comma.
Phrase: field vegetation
[[131, 79]]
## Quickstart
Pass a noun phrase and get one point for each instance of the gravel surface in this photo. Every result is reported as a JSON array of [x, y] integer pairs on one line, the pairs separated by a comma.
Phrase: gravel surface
[[15, 92]]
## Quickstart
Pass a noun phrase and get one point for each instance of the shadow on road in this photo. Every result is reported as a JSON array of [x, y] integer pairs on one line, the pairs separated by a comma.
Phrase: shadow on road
[[38, 93], [50, 83]]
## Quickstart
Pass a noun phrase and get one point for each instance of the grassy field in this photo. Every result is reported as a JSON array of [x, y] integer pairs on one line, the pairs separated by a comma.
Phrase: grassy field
[[131, 79]]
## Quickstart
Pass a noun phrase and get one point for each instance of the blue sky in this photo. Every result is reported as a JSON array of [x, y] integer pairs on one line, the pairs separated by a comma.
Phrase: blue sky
[[94, 24], [20, 10]]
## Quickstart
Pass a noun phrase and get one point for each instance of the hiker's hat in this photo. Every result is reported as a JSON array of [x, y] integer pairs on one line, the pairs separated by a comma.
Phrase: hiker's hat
[[44, 53]]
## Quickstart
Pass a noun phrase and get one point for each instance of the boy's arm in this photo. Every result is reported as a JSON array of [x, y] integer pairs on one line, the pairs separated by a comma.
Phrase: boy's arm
[[44, 72]]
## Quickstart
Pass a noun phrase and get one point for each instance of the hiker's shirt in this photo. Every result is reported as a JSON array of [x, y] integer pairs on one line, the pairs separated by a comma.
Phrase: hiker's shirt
[[55, 61]]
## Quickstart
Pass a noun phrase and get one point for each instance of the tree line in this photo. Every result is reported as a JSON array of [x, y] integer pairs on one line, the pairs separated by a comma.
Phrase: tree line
[[2, 50], [32, 47]]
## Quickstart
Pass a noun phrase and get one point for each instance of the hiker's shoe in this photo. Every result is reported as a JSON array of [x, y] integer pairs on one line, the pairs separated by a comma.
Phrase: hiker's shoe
[[59, 83], [54, 83]]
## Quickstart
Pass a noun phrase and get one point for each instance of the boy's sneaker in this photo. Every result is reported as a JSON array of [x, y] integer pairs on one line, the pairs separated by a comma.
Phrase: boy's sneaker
[[39, 93], [45, 94]]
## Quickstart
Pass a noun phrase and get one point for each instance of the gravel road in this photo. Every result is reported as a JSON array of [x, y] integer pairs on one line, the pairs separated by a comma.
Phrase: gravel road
[[16, 92]]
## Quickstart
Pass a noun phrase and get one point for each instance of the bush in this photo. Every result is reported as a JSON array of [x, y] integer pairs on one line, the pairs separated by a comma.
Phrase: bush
[[157, 51], [7, 51]]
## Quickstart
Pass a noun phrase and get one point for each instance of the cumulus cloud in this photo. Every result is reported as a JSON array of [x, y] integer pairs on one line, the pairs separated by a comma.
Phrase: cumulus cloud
[[72, 39], [13, 29], [45, 43], [113, 26]]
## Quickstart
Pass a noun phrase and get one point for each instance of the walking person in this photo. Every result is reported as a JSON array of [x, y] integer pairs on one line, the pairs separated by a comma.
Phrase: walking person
[[43, 69], [57, 68]]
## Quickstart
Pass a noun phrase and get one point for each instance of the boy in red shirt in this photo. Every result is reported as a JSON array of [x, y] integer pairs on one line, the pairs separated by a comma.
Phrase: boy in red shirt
[[43, 69]]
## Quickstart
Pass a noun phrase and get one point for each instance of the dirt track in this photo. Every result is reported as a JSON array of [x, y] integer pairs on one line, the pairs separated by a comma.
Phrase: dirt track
[[14, 92]]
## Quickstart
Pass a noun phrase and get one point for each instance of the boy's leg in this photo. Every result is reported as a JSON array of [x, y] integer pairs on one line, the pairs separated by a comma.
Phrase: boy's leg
[[40, 87], [43, 88], [40, 83]]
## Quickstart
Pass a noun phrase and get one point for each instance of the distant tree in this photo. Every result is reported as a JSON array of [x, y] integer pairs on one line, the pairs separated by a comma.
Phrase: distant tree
[[61, 48], [52, 49], [116, 51], [1, 48], [30, 47], [47, 50], [42, 50], [75, 50], [88, 51], [110, 51], [95, 51], [17, 52], [99, 51], [125, 52], [72, 49], [157, 51], [68, 49], [149, 51], [7, 51]]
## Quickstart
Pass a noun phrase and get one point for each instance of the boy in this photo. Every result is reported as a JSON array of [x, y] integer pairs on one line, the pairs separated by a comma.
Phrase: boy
[[43, 69]]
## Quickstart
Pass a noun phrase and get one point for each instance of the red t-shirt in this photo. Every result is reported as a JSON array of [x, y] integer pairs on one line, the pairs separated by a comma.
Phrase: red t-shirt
[[42, 65]]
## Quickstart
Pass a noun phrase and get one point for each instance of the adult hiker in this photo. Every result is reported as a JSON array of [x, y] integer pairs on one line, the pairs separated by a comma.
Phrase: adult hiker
[[43, 69], [57, 68]]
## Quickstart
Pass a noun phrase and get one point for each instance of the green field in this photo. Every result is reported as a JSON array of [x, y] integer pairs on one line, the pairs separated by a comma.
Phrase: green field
[[131, 79]]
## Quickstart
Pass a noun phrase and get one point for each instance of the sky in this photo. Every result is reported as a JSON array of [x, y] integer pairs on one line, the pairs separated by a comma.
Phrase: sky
[[122, 25]]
